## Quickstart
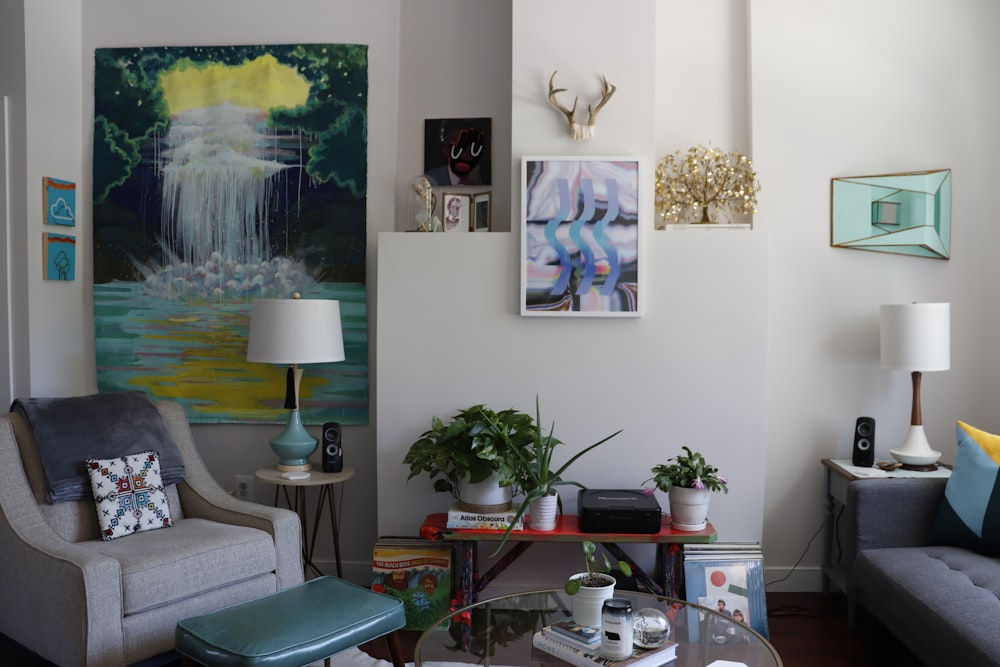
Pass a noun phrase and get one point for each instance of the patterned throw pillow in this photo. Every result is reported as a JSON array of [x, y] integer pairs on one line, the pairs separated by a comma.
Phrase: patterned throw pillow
[[129, 494], [969, 515]]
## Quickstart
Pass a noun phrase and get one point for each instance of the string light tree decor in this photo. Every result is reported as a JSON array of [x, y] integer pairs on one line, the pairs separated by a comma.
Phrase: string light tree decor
[[689, 184]]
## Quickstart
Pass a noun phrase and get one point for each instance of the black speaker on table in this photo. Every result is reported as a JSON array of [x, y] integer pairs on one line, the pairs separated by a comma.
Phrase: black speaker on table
[[864, 443], [333, 450]]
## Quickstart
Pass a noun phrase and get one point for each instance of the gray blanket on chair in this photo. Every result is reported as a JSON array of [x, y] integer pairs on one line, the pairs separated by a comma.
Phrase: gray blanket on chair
[[68, 431]]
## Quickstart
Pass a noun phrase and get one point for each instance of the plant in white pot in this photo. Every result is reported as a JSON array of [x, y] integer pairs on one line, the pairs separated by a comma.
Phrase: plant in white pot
[[688, 481], [589, 589], [531, 467], [473, 453]]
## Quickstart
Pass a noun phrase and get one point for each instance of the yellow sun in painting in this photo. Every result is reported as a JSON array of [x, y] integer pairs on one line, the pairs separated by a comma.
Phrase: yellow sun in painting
[[261, 83]]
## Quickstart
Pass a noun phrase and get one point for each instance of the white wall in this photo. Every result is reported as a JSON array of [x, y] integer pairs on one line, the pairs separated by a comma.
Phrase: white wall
[[451, 334], [13, 204], [454, 63], [756, 345], [851, 88]]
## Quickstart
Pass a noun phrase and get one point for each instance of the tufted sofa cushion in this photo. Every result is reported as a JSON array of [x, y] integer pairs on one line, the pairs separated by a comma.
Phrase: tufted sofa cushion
[[946, 599]]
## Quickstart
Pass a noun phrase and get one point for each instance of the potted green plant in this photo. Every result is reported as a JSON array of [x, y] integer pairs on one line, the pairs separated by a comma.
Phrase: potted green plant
[[471, 450], [590, 588], [533, 474], [688, 481]]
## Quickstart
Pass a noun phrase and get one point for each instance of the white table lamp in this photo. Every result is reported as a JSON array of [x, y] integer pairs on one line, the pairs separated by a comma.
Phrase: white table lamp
[[294, 331], [916, 337]]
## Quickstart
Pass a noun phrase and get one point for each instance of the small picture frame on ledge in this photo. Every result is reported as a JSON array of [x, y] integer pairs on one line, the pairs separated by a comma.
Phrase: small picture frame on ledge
[[456, 211], [482, 206]]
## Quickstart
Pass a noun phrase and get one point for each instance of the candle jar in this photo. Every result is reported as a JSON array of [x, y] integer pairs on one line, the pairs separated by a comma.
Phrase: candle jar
[[616, 629]]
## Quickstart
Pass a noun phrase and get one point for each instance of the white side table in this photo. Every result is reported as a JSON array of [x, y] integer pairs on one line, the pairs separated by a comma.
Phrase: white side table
[[325, 481]]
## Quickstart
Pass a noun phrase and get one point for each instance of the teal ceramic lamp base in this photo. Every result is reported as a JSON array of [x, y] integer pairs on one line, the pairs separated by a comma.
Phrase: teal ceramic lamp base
[[294, 445]]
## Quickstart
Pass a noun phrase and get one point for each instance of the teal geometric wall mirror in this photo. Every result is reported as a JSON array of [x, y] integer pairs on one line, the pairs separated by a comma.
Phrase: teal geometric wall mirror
[[905, 214]]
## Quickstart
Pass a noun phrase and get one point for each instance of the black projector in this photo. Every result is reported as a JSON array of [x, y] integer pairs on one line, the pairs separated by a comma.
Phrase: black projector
[[618, 511]]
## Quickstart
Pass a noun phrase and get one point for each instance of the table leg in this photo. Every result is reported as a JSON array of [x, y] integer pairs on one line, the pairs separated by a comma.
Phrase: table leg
[[327, 492], [500, 566], [640, 575]]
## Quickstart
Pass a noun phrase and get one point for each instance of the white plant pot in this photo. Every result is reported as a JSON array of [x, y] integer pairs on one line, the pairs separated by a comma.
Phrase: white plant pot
[[485, 496], [542, 512], [688, 508], [588, 601]]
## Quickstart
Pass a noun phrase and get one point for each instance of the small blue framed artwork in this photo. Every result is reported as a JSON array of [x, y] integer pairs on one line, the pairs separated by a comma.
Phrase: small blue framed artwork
[[59, 202], [58, 256]]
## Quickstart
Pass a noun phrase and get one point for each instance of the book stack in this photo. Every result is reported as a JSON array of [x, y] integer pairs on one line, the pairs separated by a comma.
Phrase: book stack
[[581, 645], [459, 518], [568, 631]]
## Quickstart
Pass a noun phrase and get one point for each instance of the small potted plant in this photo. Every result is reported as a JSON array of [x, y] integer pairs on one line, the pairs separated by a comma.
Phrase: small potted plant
[[590, 588], [689, 481], [533, 475], [472, 454]]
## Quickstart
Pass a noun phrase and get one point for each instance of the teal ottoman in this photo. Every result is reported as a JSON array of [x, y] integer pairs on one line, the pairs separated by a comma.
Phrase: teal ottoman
[[293, 627]]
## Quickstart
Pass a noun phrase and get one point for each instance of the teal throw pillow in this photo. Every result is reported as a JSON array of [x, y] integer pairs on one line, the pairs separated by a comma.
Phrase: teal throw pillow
[[969, 515]]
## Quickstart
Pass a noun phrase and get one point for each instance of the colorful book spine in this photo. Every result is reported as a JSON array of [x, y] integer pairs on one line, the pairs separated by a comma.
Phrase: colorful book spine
[[584, 637]]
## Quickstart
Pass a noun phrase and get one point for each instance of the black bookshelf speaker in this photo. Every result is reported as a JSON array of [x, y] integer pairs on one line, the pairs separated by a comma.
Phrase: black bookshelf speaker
[[864, 443], [333, 450]]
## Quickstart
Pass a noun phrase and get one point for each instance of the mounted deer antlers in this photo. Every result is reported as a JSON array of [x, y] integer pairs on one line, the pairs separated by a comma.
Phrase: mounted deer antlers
[[578, 131]]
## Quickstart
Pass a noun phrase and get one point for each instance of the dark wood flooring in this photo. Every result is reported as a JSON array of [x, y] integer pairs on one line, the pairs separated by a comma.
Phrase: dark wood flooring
[[807, 629]]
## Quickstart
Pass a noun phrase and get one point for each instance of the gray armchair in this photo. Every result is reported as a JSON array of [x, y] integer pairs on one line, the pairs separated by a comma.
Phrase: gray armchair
[[77, 600]]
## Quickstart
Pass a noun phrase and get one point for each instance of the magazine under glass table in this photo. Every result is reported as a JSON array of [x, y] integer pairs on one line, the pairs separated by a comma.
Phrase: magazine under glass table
[[499, 632]]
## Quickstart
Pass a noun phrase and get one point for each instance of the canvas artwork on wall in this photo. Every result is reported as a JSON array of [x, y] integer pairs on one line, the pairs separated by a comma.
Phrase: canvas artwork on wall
[[457, 151], [59, 202], [580, 237], [223, 174], [58, 256]]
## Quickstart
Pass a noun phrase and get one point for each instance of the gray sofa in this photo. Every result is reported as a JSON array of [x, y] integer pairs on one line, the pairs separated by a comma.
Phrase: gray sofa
[[76, 600], [941, 602]]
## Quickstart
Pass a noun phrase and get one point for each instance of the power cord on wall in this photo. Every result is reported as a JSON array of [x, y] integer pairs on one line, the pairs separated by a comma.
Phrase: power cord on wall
[[793, 610], [804, 552]]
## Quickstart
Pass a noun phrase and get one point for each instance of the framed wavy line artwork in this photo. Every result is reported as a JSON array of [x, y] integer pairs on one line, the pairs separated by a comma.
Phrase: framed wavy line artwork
[[580, 237]]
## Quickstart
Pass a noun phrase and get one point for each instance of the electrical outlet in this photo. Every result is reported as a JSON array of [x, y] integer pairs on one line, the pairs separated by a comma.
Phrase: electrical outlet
[[244, 487]]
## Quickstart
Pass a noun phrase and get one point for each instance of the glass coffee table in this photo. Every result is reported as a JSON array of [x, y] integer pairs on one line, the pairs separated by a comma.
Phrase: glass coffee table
[[499, 632]]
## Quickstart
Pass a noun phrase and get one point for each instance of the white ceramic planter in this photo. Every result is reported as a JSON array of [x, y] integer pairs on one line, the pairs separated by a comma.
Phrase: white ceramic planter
[[688, 508], [542, 512], [588, 601], [485, 496]]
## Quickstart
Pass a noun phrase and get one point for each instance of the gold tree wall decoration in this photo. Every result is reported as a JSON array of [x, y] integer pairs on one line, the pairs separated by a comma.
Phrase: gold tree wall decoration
[[688, 184]]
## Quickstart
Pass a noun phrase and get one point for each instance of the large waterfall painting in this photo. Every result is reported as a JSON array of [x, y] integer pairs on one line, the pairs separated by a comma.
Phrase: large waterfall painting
[[223, 174]]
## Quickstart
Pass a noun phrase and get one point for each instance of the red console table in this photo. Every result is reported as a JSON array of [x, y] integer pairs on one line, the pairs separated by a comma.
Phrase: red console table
[[668, 574]]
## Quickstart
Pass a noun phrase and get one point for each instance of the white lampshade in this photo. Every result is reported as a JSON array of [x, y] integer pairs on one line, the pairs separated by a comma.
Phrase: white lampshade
[[916, 337], [295, 331]]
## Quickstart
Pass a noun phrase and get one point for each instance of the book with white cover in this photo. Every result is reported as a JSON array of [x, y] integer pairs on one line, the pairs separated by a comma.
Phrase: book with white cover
[[459, 518], [653, 657]]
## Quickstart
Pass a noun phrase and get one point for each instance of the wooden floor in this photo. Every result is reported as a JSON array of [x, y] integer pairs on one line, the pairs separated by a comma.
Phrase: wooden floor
[[807, 629]]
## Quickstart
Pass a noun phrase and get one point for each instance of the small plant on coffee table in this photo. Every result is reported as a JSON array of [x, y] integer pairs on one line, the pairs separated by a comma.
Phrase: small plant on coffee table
[[594, 571]]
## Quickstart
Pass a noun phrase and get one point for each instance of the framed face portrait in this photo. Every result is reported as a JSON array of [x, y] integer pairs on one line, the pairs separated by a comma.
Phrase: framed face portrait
[[457, 151], [456, 211]]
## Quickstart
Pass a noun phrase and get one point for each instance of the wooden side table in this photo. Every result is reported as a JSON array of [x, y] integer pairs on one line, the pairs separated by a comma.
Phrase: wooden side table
[[839, 474], [325, 481]]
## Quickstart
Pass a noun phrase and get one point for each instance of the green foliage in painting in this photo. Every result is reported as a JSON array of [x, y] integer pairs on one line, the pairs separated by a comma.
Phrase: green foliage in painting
[[129, 105]]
